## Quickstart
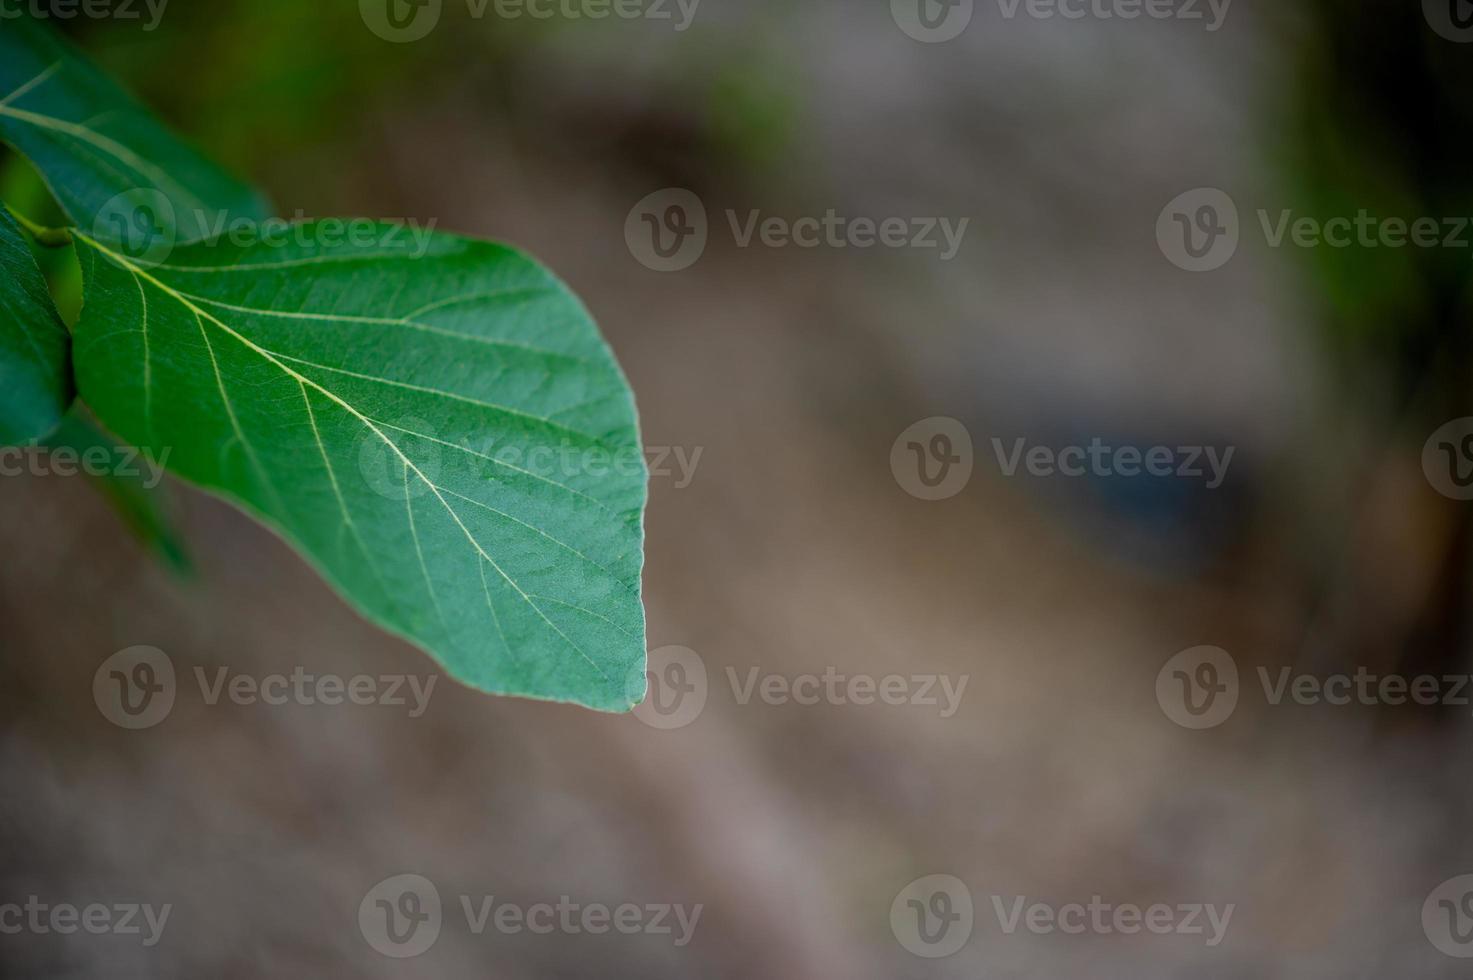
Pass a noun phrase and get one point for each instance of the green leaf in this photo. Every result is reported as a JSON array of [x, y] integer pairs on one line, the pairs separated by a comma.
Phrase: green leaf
[[35, 349], [113, 168], [436, 425]]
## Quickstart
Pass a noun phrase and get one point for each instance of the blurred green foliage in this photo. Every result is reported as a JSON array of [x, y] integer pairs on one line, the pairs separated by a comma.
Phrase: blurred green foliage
[[261, 85], [1382, 121]]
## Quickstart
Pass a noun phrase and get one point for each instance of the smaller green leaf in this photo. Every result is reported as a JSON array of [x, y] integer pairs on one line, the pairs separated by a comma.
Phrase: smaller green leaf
[[35, 348], [114, 168]]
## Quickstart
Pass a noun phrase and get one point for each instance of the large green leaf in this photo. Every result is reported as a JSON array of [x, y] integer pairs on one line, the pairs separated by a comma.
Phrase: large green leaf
[[113, 168], [35, 350], [445, 435]]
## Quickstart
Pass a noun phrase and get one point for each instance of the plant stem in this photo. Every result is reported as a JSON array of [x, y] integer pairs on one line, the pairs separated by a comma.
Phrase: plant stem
[[49, 237]]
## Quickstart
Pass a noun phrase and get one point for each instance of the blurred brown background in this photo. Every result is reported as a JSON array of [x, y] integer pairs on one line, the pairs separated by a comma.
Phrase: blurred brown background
[[794, 548]]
